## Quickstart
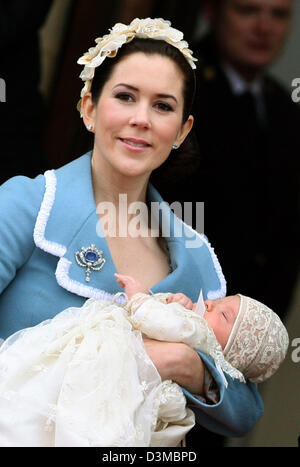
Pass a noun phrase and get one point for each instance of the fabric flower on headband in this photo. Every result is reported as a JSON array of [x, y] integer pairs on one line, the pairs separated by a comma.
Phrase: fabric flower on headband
[[120, 34]]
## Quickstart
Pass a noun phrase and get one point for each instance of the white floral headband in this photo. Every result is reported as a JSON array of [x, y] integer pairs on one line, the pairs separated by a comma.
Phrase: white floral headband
[[120, 34]]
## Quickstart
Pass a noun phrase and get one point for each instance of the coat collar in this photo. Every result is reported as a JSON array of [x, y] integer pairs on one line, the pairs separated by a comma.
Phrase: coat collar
[[69, 202]]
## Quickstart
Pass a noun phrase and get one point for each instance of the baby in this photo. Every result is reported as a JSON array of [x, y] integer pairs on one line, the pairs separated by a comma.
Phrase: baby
[[84, 378], [253, 338]]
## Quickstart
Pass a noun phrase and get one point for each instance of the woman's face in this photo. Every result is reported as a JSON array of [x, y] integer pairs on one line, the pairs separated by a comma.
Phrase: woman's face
[[138, 116]]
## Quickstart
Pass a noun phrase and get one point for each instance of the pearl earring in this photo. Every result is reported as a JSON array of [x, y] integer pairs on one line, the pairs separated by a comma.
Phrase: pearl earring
[[89, 127], [175, 146]]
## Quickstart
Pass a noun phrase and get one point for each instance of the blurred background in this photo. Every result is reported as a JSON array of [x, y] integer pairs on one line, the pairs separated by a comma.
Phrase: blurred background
[[57, 33]]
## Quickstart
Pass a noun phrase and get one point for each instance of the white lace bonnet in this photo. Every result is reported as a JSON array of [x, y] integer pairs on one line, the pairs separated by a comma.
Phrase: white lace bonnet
[[258, 342]]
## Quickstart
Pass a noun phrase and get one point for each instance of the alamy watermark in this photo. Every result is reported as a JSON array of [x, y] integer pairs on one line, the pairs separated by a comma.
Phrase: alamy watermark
[[296, 91], [2, 90], [156, 219], [295, 355]]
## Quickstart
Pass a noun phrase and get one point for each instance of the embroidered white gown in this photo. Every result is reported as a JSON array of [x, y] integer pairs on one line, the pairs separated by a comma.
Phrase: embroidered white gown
[[84, 378]]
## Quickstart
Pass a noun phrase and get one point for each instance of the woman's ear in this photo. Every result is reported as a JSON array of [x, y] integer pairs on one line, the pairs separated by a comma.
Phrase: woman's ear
[[88, 110], [184, 130]]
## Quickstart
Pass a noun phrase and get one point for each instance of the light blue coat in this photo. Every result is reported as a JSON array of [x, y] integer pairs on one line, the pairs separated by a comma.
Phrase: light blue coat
[[45, 221]]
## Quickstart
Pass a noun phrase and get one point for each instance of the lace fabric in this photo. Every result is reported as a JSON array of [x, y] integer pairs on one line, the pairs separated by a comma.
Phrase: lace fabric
[[85, 379], [258, 341], [172, 322]]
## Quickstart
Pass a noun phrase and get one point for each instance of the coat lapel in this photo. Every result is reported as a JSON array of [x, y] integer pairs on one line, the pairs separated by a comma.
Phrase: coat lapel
[[69, 203]]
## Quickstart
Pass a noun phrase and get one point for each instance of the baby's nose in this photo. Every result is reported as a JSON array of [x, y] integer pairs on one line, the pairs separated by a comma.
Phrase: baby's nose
[[208, 305]]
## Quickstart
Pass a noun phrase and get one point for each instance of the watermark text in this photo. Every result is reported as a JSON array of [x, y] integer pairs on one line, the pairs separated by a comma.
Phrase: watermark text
[[156, 219], [295, 355], [296, 90], [2, 90]]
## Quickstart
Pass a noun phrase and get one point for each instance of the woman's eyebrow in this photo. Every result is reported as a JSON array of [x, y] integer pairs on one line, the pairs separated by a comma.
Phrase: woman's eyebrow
[[126, 86], [133, 88], [167, 96]]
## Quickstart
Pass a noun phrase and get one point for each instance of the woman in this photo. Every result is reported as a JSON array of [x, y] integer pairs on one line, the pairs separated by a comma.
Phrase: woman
[[138, 91]]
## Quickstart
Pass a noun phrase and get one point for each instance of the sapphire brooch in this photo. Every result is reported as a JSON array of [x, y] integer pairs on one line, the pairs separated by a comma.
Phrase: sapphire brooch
[[90, 258]]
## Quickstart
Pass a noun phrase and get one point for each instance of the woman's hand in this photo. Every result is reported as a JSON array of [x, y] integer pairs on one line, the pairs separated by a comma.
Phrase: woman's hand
[[178, 362]]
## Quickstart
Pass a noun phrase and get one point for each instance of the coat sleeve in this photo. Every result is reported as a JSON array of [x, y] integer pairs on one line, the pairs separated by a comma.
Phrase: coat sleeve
[[238, 410], [20, 199]]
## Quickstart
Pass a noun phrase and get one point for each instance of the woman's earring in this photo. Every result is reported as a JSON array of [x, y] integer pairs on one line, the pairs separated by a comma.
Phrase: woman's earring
[[89, 127], [175, 146]]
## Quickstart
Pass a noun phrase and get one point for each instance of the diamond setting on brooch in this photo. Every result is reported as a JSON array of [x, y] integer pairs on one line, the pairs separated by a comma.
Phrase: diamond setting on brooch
[[90, 258]]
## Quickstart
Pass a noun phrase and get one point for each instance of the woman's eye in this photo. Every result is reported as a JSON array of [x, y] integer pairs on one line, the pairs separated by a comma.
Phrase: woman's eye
[[164, 106], [124, 96]]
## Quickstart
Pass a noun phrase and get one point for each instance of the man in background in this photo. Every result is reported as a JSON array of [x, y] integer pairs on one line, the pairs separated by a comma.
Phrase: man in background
[[247, 125]]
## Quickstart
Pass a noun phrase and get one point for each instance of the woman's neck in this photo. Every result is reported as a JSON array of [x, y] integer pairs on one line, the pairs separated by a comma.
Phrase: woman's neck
[[108, 185]]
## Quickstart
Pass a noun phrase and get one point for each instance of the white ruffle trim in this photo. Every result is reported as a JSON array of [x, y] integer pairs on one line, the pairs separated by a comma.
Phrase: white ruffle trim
[[63, 279], [41, 222], [59, 250]]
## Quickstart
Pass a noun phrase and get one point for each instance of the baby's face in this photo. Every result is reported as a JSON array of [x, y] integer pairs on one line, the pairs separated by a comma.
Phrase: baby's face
[[221, 314]]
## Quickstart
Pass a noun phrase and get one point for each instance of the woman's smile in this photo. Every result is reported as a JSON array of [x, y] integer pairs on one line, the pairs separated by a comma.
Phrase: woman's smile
[[135, 144]]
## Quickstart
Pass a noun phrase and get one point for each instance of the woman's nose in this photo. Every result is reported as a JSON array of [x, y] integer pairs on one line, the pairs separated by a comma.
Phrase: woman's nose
[[140, 117]]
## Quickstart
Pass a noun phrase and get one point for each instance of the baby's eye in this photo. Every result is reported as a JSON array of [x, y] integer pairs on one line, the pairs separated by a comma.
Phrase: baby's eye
[[124, 96], [163, 106]]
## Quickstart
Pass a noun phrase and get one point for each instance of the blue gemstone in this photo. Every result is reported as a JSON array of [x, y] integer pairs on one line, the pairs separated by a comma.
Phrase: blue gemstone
[[90, 256]]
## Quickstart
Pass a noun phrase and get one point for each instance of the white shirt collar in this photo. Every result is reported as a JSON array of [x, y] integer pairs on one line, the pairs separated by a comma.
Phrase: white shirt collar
[[238, 84]]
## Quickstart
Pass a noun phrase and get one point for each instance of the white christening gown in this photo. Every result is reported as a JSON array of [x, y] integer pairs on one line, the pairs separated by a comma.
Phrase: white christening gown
[[84, 378]]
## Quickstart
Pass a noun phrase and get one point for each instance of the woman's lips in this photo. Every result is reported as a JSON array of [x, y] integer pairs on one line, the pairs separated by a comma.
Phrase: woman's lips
[[134, 143]]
